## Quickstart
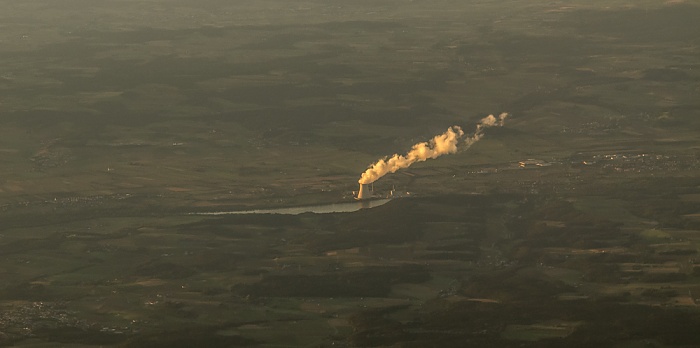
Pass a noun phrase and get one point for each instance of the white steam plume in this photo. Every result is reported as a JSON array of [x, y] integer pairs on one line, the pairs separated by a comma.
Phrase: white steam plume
[[446, 143]]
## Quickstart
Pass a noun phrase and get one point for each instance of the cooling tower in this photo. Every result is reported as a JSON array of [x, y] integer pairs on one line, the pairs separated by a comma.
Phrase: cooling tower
[[363, 193]]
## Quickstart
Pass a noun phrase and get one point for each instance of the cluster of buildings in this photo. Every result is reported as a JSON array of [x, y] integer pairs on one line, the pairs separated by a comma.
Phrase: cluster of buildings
[[638, 162]]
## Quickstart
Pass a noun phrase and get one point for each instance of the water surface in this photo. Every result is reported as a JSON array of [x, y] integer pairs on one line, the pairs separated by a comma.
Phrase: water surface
[[318, 209]]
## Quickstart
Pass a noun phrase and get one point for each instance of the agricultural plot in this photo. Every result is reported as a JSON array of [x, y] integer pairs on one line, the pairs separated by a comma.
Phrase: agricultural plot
[[574, 224]]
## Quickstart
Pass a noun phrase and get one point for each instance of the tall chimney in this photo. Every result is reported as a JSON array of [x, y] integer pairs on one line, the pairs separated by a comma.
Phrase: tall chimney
[[362, 194]]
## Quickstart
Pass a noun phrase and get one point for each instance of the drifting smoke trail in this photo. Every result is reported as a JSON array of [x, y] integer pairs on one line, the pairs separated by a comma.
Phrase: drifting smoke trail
[[443, 144]]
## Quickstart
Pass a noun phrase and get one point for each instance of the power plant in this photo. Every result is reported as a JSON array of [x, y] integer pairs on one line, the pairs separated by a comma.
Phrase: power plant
[[443, 144], [365, 192], [449, 142]]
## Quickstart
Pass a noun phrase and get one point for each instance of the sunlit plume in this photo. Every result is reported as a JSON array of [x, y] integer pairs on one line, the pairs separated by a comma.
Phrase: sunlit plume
[[443, 144]]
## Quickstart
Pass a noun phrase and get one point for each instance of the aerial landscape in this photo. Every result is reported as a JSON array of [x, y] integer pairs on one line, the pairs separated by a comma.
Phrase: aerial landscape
[[323, 173]]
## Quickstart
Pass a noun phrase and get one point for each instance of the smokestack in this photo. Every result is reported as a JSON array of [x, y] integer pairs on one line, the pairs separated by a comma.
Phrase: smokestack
[[362, 194]]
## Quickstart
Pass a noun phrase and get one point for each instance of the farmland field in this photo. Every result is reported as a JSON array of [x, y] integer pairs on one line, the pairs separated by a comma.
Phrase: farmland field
[[124, 124]]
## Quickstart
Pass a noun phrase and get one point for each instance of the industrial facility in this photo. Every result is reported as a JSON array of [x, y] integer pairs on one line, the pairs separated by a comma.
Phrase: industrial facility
[[366, 192]]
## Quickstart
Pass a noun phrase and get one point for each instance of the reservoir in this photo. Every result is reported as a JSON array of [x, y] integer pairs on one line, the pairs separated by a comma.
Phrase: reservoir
[[317, 209]]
